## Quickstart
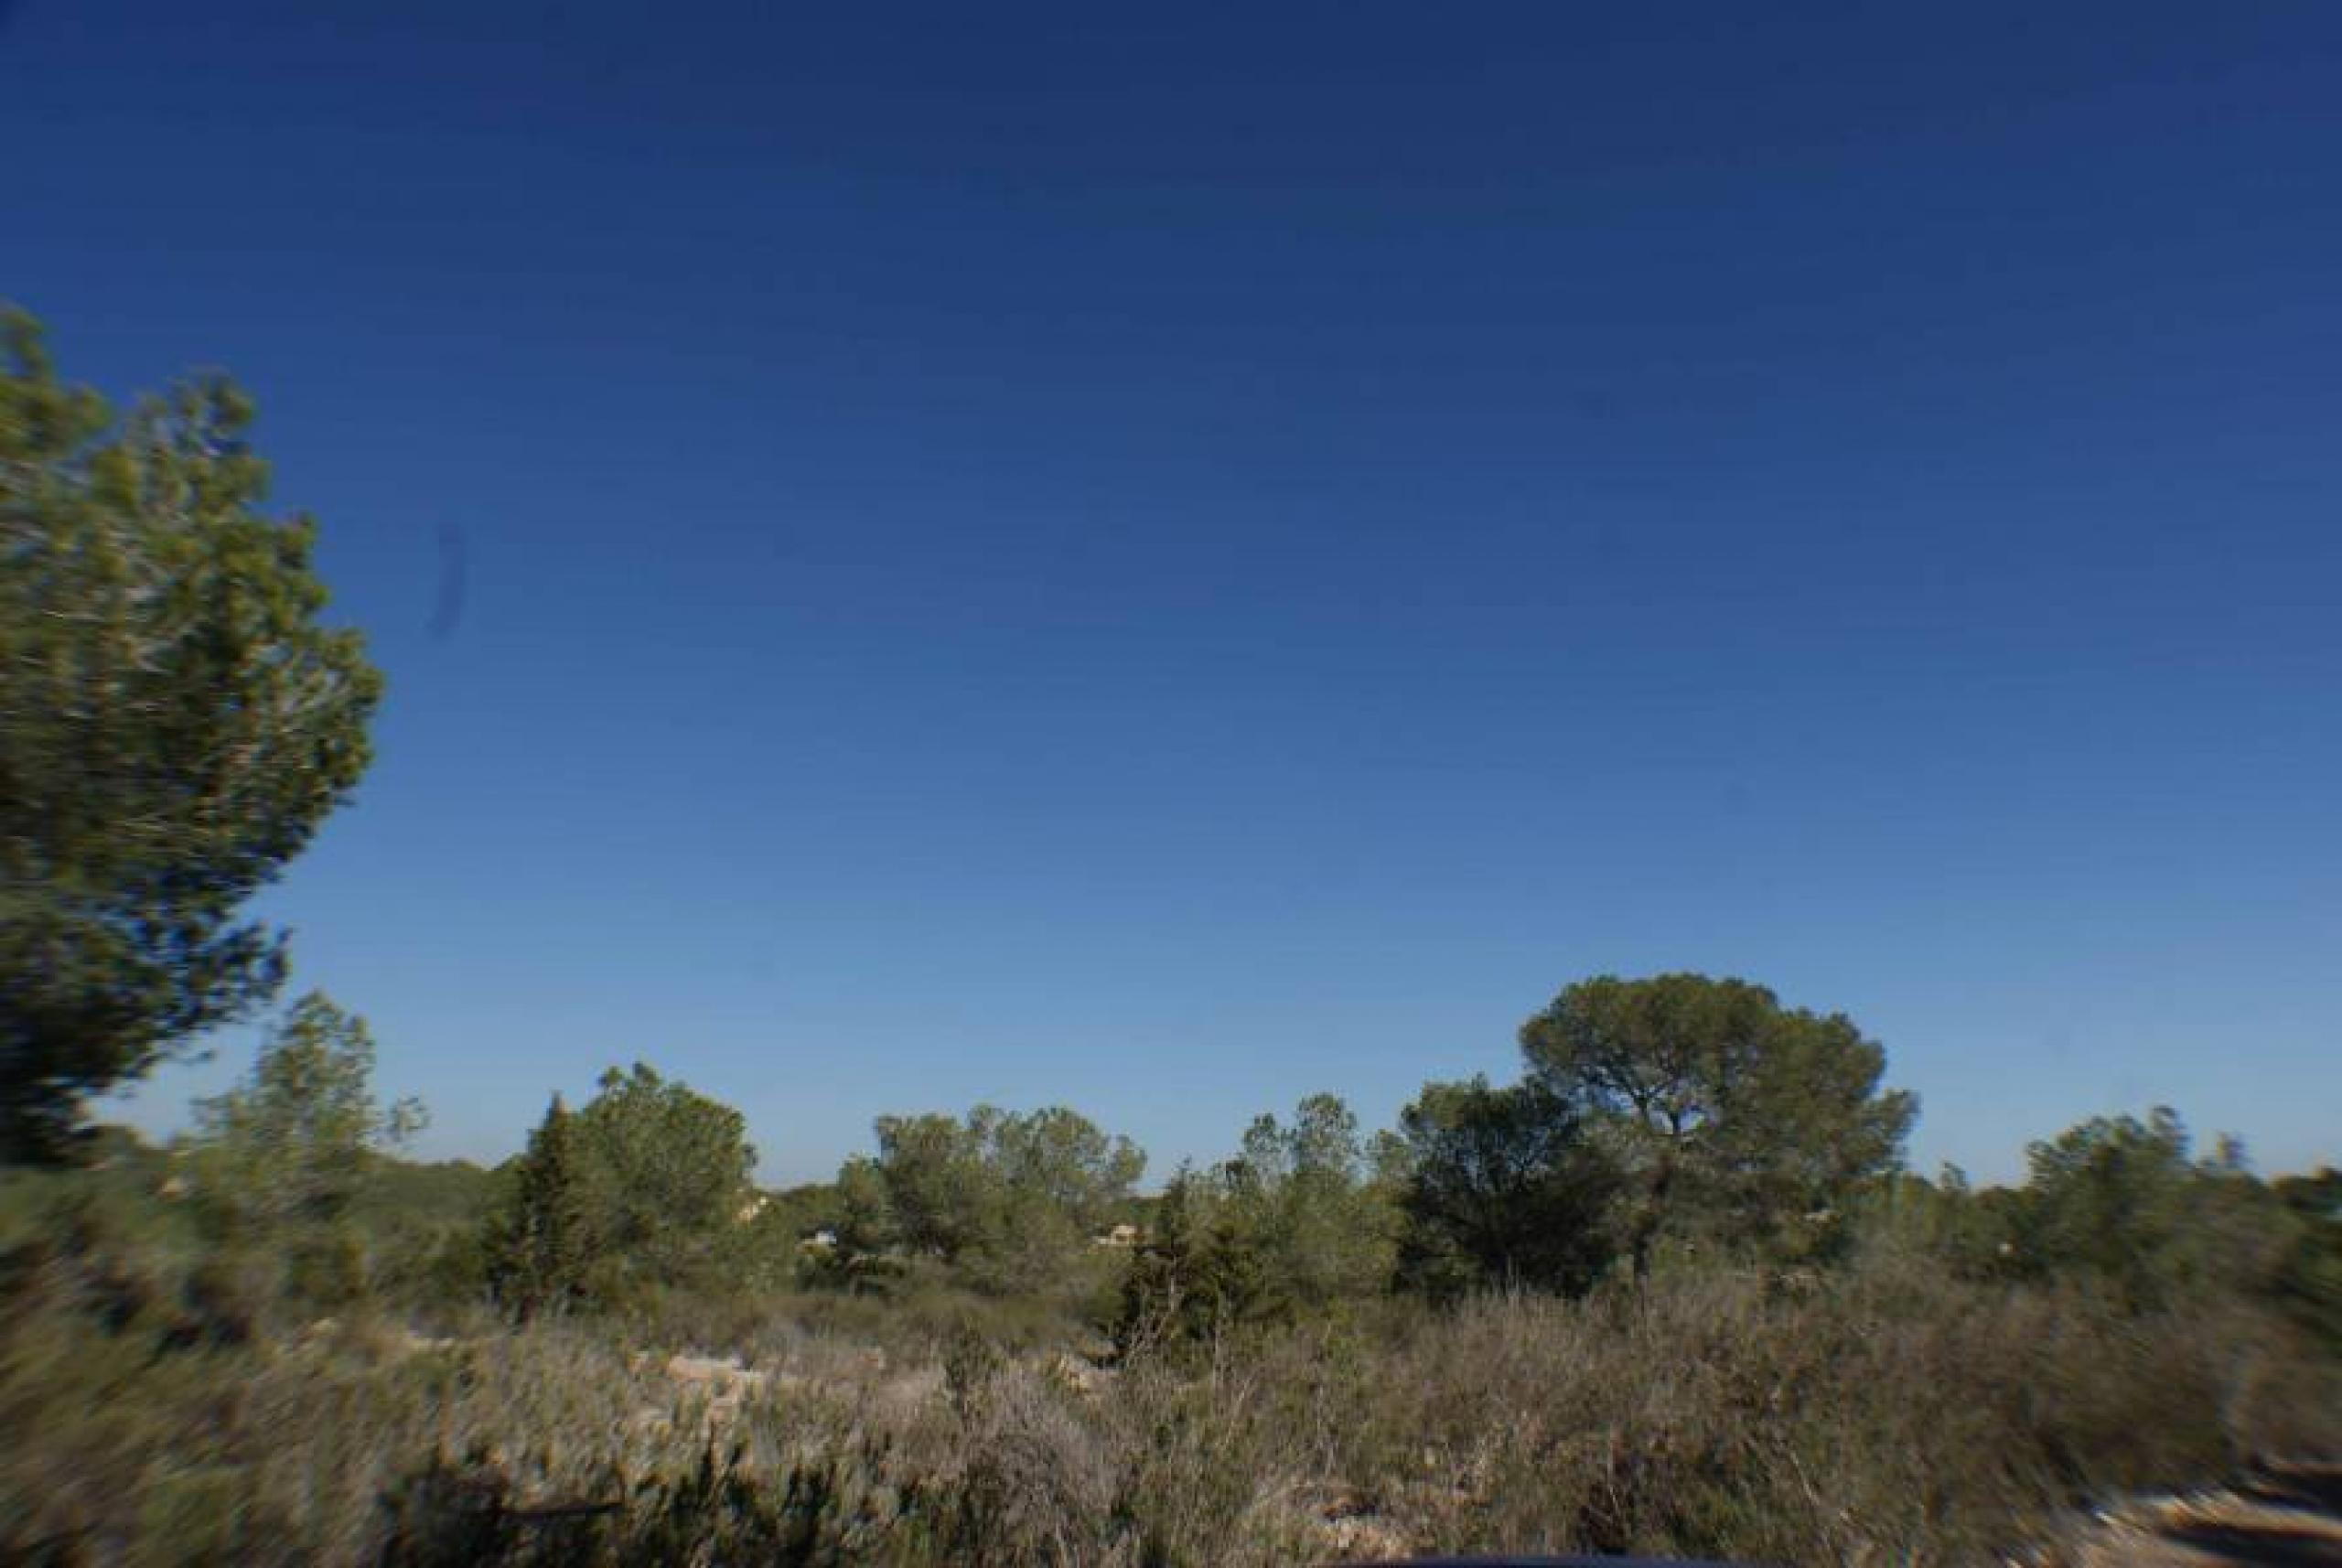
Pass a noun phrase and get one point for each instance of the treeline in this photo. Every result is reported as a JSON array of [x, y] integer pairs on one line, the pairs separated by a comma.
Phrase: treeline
[[1524, 1319], [1664, 1125], [1668, 1123]]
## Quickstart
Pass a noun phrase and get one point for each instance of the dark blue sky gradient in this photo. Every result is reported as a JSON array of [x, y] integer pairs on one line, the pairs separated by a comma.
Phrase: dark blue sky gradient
[[1171, 563]]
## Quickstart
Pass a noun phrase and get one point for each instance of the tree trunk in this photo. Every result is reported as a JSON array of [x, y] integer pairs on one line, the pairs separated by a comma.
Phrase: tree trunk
[[1646, 1224]]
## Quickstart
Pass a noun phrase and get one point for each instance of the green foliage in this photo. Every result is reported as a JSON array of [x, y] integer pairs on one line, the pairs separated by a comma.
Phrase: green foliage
[[2120, 1207], [1009, 1198], [289, 1144], [540, 1248], [797, 1212], [2111, 1195], [2122, 1200], [939, 1196], [429, 1194], [1303, 1220], [1198, 1276], [1733, 1120], [666, 1178], [1307, 1200], [863, 1212], [175, 724], [1944, 1223], [1503, 1189], [2309, 1281]]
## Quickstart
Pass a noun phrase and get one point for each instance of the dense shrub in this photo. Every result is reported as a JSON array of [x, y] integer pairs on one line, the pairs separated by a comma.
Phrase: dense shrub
[[1883, 1413], [1946, 1383]]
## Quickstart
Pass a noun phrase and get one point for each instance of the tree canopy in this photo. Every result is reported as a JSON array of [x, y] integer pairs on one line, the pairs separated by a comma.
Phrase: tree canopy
[[1503, 1188], [540, 1243], [1729, 1115], [2125, 1199], [665, 1172], [290, 1141], [1007, 1195], [175, 724], [1310, 1198], [1303, 1217]]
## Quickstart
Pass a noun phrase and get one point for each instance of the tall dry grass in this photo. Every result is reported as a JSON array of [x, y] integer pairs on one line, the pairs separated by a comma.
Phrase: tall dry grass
[[1882, 1415]]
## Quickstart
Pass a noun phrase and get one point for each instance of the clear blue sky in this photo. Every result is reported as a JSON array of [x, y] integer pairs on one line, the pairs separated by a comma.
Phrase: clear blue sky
[[1169, 558]]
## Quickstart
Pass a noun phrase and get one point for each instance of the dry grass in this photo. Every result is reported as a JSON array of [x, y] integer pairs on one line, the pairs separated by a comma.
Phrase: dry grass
[[1882, 1417]]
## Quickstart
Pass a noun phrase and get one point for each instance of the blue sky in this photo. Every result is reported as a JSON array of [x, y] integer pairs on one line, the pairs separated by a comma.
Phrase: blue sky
[[1164, 563]]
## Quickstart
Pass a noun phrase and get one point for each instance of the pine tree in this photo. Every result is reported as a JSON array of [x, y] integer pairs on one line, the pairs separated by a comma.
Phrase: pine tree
[[177, 719], [540, 1247], [1203, 1270], [1156, 1290]]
